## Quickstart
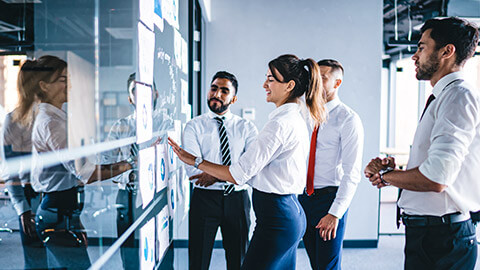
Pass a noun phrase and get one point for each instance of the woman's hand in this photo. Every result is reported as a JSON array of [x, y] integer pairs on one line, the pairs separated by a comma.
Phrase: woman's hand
[[183, 155]]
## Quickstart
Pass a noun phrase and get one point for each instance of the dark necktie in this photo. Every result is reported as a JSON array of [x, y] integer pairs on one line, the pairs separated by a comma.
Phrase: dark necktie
[[225, 150], [399, 214], [429, 100], [132, 176]]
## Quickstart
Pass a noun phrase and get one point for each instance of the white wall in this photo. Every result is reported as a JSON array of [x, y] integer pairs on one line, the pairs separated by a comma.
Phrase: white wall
[[243, 36]]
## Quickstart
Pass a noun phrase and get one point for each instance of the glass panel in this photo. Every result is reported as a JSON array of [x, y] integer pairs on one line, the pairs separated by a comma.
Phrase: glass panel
[[105, 83]]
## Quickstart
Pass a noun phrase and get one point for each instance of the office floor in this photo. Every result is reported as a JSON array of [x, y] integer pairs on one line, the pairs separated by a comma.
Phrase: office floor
[[388, 255]]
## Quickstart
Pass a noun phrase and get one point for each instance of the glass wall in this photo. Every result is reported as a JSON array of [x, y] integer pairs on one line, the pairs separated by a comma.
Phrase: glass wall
[[88, 178]]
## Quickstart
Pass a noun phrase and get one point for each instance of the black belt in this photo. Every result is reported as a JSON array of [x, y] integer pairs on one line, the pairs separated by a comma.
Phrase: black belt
[[322, 191], [422, 221]]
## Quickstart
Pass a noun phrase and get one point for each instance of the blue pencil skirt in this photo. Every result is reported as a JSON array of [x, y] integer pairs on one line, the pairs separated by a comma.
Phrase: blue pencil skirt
[[280, 226]]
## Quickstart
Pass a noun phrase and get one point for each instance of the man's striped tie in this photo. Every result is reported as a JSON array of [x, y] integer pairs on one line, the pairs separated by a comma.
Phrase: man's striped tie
[[225, 150]]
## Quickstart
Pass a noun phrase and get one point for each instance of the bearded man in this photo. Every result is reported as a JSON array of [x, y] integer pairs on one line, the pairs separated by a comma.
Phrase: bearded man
[[220, 137], [440, 185]]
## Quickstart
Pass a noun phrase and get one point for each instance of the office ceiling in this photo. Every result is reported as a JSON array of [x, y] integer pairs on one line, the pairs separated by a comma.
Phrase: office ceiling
[[402, 19], [59, 26], [399, 18]]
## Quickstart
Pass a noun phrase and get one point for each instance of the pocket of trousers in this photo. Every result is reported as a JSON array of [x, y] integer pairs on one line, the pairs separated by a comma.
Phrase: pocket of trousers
[[466, 241]]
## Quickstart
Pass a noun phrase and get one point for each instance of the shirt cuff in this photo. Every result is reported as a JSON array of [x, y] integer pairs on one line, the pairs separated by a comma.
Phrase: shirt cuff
[[123, 178], [21, 207], [431, 174], [337, 210], [238, 174], [86, 172]]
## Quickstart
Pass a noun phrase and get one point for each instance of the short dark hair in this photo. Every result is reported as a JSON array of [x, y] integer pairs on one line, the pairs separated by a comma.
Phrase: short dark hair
[[228, 76], [461, 33], [131, 79], [334, 64]]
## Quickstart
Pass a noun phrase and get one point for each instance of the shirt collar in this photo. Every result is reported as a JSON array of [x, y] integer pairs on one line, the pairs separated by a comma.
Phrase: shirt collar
[[444, 81], [52, 110], [283, 108], [228, 115], [332, 104]]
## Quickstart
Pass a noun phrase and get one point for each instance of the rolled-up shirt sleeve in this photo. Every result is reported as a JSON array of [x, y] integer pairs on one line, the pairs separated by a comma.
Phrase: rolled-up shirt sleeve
[[191, 144], [17, 195], [451, 136], [259, 153]]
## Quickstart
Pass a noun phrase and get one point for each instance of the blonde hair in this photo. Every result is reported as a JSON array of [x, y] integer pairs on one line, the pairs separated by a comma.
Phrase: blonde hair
[[28, 84]]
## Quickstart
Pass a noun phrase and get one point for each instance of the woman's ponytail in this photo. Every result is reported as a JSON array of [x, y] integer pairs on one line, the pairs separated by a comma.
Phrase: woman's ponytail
[[314, 97]]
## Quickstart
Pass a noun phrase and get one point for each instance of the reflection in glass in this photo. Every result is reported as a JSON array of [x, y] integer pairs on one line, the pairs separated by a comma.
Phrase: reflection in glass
[[16, 142], [43, 91], [128, 204]]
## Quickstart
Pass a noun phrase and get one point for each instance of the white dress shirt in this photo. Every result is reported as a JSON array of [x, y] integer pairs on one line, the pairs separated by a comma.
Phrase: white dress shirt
[[277, 160], [446, 148], [338, 157], [201, 138], [124, 128], [16, 140], [49, 134]]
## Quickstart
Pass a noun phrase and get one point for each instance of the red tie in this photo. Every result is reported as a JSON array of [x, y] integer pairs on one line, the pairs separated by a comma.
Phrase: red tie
[[311, 161]]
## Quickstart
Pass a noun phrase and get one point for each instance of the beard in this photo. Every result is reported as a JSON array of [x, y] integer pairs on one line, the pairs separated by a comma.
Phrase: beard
[[217, 109], [426, 71]]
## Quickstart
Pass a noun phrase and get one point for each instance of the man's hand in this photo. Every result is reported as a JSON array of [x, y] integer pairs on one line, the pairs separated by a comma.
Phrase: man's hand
[[375, 165], [327, 227], [204, 179], [27, 220]]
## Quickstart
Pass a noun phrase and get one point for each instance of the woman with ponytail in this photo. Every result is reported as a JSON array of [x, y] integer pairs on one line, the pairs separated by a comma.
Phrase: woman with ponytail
[[275, 165]]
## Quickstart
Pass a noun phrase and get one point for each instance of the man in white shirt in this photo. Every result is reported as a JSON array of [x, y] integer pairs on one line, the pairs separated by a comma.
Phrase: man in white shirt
[[220, 137], [129, 205], [440, 186], [336, 173]]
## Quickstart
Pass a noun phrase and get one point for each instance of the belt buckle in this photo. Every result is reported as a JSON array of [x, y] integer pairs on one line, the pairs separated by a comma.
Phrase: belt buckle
[[445, 219]]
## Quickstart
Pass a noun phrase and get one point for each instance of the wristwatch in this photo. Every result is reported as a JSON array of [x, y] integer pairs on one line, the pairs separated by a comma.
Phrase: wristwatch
[[383, 172], [198, 160]]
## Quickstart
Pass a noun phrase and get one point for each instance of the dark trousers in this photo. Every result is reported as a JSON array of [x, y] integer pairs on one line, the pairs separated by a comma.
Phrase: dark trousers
[[322, 254], [210, 209], [34, 252], [280, 226], [448, 246], [126, 215], [58, 224]]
